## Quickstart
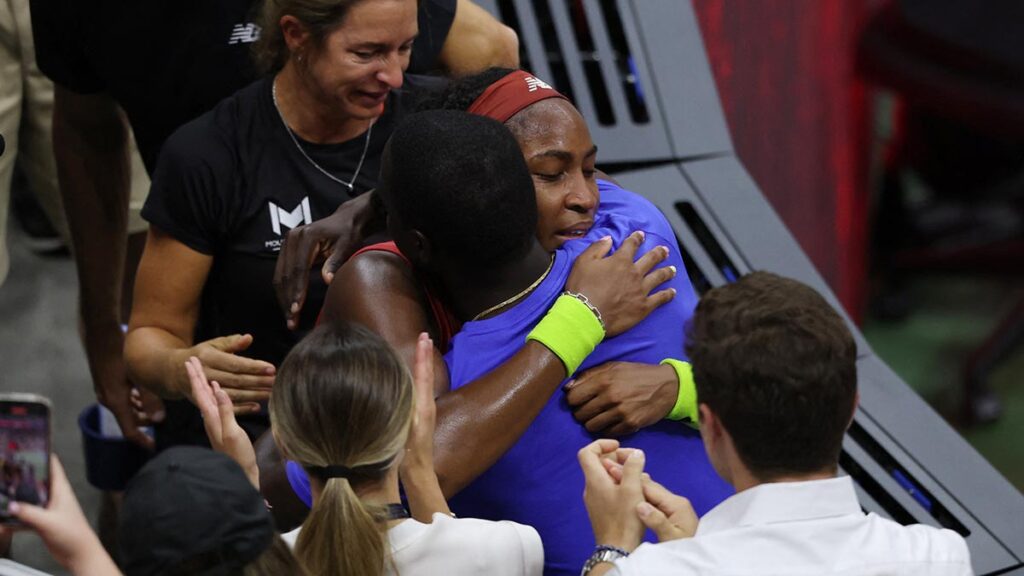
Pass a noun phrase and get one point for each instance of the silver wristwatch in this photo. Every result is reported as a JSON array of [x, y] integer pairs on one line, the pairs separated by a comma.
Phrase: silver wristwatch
[[602, 554]]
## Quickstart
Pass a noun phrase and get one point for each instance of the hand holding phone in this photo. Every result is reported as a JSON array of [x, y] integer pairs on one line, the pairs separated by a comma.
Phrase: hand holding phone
[[64, 528], [24, 451], [31, 498]]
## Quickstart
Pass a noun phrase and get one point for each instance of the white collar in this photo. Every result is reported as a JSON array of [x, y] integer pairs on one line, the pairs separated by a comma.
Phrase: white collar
[[783, 502]]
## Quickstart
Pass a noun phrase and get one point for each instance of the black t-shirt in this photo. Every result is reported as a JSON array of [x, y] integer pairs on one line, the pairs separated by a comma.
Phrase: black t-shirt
[[232, 183], [168, 61]]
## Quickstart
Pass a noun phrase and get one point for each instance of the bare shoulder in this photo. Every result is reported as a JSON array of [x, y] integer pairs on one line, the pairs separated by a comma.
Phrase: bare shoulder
[[368, 280], [375, 268]]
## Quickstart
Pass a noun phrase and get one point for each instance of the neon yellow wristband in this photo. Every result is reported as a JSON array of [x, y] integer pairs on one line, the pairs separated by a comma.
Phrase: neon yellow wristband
[[570, 330], [686, 401]]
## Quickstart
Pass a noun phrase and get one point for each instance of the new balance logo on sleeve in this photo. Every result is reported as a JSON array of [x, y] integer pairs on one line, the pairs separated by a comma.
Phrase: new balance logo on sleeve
[[534, 83], [297, 217], [244, 33]]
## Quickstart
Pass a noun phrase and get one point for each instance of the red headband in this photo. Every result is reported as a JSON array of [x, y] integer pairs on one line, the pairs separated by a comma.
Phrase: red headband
[[503, 99]]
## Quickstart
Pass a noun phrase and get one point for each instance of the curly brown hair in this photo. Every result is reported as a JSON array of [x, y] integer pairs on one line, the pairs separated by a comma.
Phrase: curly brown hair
[[776, 363]]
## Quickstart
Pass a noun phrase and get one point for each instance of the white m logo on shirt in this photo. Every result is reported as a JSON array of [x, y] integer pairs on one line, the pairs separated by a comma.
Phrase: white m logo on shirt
[[297, 217]]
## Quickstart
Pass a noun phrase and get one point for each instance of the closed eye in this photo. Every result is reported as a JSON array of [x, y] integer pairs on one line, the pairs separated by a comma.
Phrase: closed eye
[[549, 177]]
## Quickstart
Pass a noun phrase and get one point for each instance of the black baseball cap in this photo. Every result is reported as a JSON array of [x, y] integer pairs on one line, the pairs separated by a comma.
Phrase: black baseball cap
[[191, 510]]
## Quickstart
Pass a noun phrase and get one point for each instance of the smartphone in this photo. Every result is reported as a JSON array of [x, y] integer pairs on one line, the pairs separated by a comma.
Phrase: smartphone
[[24, 451]]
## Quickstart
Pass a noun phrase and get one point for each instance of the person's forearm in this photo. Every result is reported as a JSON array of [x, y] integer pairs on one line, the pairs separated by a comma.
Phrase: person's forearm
[[90, 144], [423, 493], [93, 560], [98, 566], [103, 339], [155, 360], [479, 422], [477, 41]]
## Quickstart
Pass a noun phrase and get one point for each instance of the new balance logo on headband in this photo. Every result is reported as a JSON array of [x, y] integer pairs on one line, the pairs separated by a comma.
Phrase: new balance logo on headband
[[244, 33], [534, 83], [297, 217]]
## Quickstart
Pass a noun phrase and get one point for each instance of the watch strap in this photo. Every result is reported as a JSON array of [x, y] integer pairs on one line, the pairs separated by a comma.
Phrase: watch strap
[[601, 554]]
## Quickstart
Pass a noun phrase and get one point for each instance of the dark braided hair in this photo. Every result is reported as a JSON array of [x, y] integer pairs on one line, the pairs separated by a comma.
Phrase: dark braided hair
[[460, 93]]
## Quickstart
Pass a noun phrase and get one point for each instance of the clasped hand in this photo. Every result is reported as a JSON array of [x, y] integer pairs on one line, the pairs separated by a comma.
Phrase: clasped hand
[[622, 500]]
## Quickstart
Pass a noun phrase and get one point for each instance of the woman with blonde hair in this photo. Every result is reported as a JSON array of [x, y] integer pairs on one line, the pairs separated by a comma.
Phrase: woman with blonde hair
[[345, 407]]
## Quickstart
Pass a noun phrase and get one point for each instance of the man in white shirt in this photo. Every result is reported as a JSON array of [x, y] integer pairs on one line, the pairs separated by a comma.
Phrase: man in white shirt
[[775, 369]]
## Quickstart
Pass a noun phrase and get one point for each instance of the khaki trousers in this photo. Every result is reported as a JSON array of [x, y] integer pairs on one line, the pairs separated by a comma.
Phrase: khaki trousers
[[26, 118]]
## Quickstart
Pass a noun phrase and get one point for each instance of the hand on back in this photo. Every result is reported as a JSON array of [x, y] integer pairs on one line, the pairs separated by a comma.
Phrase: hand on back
[[331, 240], [620, 286], [619, 398]]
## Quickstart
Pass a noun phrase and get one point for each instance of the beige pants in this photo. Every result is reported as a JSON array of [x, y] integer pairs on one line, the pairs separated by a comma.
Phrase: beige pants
[[26, 114]]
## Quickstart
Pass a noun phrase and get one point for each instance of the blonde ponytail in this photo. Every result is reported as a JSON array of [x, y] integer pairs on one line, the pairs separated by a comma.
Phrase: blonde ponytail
[[343, 399], [341, 535]]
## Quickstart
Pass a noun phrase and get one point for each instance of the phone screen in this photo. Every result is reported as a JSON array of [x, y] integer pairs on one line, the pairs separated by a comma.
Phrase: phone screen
[[24, 454]]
